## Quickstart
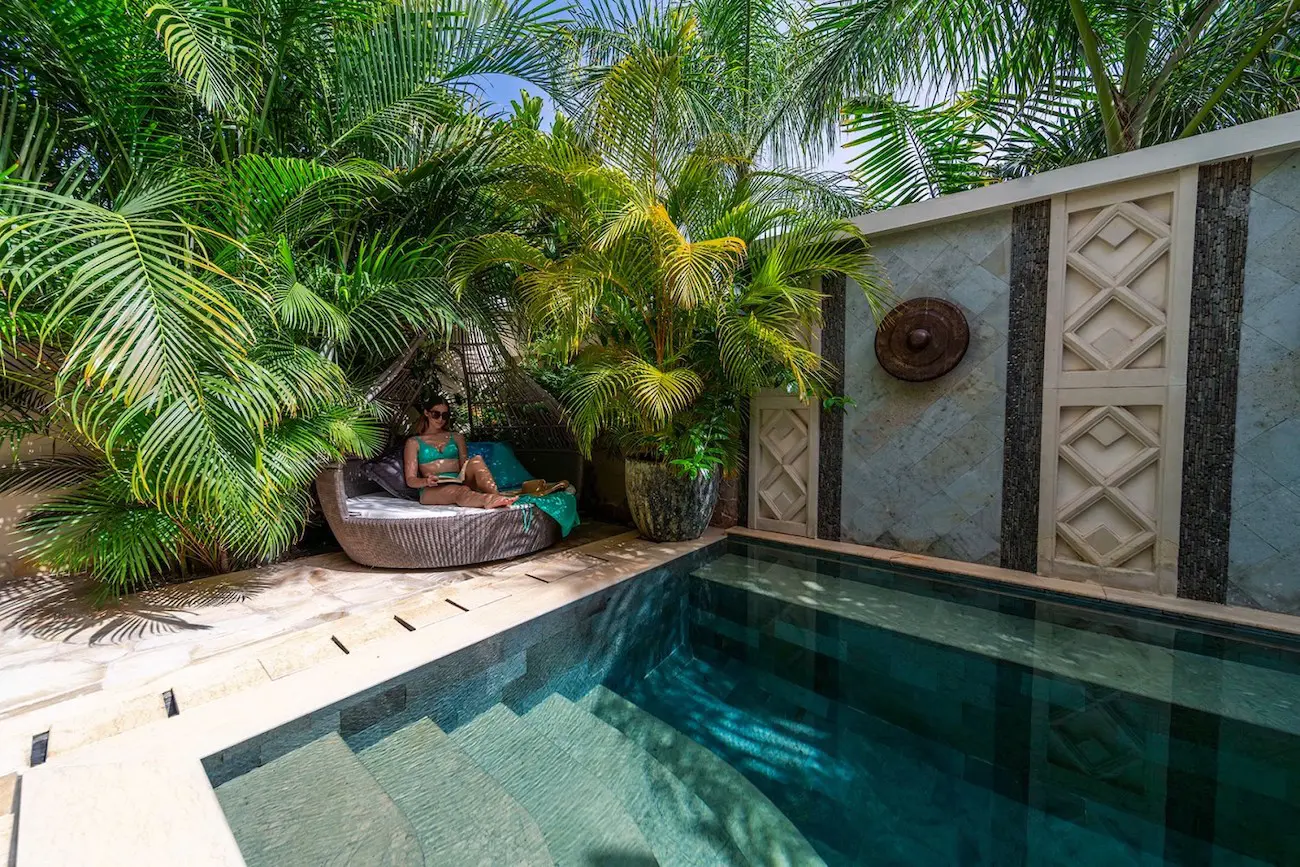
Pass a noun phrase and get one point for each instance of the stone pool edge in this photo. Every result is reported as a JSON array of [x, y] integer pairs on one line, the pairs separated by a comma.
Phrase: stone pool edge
[[141, 796], [1087, 591]]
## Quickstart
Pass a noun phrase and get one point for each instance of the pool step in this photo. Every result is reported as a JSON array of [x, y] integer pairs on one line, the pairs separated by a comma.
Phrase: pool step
[[459, 813], [680, 828], [759, 830], [317, 805], [581, 820]]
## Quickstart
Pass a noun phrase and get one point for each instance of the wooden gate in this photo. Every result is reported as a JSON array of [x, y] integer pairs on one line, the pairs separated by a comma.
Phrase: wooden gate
[[783, 470]]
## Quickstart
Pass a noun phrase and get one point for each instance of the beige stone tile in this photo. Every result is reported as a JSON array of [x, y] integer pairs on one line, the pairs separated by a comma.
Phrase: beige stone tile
[[282, 597], [143, 813], [425, 609], [6, 836], [298, 652], [145, 666], [7, 785], [631, 551], [358, 629], [471, 597], [560, 566], [33, 685], [105, 716], [15, 752], [200, 684]]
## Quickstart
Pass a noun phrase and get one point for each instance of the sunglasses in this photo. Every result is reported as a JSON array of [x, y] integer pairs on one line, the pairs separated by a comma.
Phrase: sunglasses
[[437, 413]]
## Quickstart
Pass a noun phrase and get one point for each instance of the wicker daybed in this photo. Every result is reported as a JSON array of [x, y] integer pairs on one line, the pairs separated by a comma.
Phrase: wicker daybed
[[377, 529], [499, 403]]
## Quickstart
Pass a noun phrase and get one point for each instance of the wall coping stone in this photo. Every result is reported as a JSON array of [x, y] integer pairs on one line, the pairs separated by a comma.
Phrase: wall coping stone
[[1248, 139]]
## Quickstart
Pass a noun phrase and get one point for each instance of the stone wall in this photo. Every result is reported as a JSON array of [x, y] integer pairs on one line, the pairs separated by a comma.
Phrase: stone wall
[[1264, 547], [923, 461], [15, 507]]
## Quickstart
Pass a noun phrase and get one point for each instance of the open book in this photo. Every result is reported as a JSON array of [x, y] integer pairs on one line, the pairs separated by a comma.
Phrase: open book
[[458, 479]]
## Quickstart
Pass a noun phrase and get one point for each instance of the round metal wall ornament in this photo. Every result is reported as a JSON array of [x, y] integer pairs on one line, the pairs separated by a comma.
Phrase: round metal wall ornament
[[922, 339]]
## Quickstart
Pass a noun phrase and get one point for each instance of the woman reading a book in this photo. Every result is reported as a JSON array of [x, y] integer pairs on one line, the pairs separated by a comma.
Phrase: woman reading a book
[[437, 462]]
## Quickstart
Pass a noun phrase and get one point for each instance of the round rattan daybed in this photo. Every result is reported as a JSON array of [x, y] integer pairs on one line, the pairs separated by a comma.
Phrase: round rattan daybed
[[378, 530], [499, 402]]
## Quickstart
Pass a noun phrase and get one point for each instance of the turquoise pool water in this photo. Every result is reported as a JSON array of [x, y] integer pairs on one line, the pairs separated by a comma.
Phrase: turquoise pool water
[[759, 704]]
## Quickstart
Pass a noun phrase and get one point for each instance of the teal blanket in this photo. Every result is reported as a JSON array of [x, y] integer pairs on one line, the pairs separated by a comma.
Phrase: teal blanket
[[561, 505]]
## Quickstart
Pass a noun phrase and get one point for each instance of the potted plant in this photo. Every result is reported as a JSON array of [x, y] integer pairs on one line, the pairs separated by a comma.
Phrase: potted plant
[[668, 296]]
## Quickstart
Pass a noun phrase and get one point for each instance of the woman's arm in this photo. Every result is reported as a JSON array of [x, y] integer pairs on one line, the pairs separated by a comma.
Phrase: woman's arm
[[411, 466]]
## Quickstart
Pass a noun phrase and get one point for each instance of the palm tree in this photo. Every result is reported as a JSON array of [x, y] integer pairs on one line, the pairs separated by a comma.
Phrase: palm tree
[[674, 294], [671, 253], [1042, 83], [221, 226], [643, 73]]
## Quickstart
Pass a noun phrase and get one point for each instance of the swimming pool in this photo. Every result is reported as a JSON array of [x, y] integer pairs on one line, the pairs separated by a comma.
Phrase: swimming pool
[[761, 704]]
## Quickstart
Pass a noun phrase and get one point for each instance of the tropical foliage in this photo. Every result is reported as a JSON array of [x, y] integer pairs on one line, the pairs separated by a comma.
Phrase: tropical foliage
[[1041, 83], [664, 254], [222, 225], [226, 225]]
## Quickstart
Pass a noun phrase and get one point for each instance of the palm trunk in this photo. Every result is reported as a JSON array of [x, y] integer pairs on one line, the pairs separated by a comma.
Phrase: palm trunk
[[1105, 96]]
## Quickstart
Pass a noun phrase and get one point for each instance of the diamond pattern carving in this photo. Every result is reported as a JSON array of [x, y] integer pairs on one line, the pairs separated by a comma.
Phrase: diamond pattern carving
[[1117, 231], [1125, 325], [783, 464], [1130, 447], [1120, 266]]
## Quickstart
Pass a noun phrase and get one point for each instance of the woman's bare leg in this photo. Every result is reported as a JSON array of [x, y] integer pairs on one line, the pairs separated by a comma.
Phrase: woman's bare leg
[[462, 495], [478, 477]]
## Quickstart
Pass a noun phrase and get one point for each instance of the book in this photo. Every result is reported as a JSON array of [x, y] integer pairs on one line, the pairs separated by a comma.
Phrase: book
[[458, 479]]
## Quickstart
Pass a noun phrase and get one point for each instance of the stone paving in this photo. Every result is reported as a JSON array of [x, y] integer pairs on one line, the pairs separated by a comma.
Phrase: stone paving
[[56, 645]]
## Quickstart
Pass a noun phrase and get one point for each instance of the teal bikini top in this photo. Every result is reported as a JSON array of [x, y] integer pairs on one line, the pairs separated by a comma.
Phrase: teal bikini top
[[428, 453]]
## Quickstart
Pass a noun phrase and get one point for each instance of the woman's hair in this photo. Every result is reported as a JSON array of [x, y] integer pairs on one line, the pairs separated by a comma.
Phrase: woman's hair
[[429, 403]]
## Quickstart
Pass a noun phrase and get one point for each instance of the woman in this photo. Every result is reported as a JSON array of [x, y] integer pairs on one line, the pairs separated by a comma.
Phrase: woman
[[436, 454]]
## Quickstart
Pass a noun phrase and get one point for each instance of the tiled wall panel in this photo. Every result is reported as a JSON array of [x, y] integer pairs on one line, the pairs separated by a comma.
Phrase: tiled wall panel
[[923, 461], [1264, 546]]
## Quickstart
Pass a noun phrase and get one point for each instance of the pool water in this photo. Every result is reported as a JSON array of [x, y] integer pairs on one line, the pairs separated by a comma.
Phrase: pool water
[[766, 705]]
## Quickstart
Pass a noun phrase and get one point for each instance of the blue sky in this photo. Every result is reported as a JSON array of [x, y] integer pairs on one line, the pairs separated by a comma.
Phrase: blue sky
[[499, 90]]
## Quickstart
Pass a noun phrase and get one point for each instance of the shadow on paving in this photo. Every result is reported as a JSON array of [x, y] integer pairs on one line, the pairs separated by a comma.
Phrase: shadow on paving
[[58, 608]]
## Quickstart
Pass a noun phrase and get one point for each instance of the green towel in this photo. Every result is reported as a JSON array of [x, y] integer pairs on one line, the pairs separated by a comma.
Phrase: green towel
[[560, 505]]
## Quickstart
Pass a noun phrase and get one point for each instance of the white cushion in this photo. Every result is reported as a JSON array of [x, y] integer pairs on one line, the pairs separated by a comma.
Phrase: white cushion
[[384, 507]]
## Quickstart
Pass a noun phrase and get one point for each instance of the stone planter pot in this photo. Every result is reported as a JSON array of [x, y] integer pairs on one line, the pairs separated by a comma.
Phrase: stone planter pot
[[666, 506]]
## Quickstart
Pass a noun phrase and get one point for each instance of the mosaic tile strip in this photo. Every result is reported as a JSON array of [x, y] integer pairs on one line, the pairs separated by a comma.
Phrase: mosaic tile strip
[[830, 473], [1213, 357], [1026, 336]]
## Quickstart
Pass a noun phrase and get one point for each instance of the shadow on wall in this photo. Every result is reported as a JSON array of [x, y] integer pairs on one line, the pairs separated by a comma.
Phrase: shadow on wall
[[59, 608]]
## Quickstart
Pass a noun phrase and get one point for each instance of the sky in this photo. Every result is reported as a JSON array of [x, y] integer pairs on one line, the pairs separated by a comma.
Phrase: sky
[[499, 90]]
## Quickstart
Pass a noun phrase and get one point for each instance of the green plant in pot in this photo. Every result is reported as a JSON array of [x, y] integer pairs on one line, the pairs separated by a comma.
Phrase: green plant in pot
[[669, 296]]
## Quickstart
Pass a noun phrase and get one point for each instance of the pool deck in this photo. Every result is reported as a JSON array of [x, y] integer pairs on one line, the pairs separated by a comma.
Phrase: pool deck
[[245, 653], [57, 646], [116, 757]]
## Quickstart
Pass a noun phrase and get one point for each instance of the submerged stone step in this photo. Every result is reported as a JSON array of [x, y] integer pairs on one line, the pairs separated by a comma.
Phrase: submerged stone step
[[581, 820], [317, 805], [460, 814], [1250, 693], [760, 831], [680, 827]]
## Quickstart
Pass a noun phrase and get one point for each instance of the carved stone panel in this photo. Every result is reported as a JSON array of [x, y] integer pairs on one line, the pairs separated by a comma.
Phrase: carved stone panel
[[783, 477], [1114, 382], [1107, 486]]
